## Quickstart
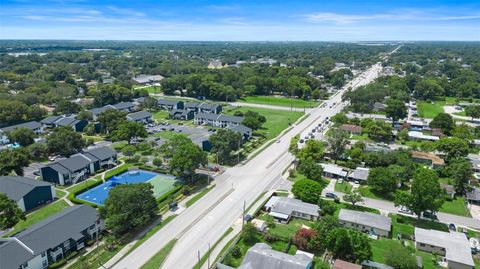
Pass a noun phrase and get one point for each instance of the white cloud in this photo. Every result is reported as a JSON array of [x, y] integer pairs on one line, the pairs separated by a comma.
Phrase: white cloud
[[343, 18]]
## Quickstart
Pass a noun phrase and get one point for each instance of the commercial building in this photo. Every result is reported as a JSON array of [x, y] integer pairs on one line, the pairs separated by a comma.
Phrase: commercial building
[[365, 222], [26, 192], [454, 246]]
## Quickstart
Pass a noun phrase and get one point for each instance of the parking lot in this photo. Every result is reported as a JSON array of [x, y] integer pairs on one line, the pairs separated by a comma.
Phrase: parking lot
[[184, 129], [30, 170]]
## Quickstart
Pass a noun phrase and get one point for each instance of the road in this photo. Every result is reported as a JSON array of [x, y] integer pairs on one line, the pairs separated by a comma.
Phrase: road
[[306, 110], [206, 220]]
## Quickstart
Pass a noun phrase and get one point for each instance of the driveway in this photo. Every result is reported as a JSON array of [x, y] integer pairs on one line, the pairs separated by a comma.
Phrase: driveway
[[28, 171]]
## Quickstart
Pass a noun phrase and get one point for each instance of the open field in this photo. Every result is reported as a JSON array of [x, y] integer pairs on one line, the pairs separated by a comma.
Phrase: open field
[[344, 187], [277, 120], [279, 101], [430, 110]]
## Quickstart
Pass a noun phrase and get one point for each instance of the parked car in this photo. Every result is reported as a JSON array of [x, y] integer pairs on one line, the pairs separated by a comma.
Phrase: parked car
[[405, 210], [247, 217], [36, 172], [452, 227], [330, 195], [301, 141], [429, 215], [278, 141]]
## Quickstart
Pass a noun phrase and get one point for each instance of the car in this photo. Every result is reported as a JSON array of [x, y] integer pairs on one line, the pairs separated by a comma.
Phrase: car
[[405, 210], [314, 130], [278, 141], [330, 195], [429, 215], [247, 217], [452, 227], [36, 172], [301, 141]]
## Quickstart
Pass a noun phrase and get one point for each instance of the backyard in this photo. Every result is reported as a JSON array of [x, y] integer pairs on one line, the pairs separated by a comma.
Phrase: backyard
[[277, 120], [279, 101], [456, 207], [344, 187]]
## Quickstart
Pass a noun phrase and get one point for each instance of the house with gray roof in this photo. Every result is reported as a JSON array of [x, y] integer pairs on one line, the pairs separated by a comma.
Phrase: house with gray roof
[[35, 126], [140, 116], [203, 107], [473, 196], [79, 166], [453, 245], [262, 256], [169, 104], [51, 240], [99, 110], [148, 79], [360, 174], [333, 171], [49, 122], [181, 114], [26, 192], [365, 222], [125, 106], [245, 131], [284, 208], [58, 121]]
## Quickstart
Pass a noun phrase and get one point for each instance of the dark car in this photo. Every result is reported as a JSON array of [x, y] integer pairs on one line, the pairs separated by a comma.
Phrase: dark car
[[452, 227], [330, 195], [247, 217]]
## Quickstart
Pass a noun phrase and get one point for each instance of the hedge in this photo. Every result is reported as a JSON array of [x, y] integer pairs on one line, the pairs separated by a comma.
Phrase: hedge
[[72, 194], [117, 170]]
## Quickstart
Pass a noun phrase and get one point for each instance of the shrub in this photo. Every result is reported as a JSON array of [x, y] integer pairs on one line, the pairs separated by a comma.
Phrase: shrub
[[302, 238], [236, 252]]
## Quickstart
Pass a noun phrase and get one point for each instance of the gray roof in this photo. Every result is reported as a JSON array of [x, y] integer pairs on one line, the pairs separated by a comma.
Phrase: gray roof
[[456, 244], [262, 256], [191, 104], [360, 173], [139, 115], [72, 164], [32, 125], [229, 118], [365, 218], [67, 121], [123, 105], [208, 106], [101, 153], [240, 128], [168, 102], [17, 187], [13, 253], [99, 110], [58, 228], [208, 116], [50, 119], [286, 206], [147, 78], [333, 169], [473, 195]]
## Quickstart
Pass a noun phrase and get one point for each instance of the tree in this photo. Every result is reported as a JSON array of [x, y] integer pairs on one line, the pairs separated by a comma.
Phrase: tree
[[185, 156], [337, 140], [22, 136], [66, 107], [302, 239], [316, 94], [253, 120], [128, 130], [129, 206], [382, 180], [353, 197], [349, 245], [224, 141], [84, 115], [339, 119], [307, 190], [444, 122], [460, 171], [38, 151], [13, 160], [11, 214], [327, 207], [313, 150], [65, 141], [396, 109], [110, 119], [310, 169], [249, 233], [400, 257], [428, 89], [425, 193], [129, 150], [453, 147], [473, 111]]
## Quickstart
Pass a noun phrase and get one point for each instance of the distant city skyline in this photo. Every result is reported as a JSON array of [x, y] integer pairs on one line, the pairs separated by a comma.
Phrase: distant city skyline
[[345, 20]]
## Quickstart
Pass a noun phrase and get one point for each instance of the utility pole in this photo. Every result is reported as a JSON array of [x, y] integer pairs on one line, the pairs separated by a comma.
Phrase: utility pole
[[198, 256], [208, 259]]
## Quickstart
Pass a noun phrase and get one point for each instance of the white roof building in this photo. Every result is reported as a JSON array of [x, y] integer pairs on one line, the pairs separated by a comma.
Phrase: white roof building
[[420, 136], [333, 169]]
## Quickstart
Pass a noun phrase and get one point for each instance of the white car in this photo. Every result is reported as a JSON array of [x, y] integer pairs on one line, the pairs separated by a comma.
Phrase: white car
[[278, 141]]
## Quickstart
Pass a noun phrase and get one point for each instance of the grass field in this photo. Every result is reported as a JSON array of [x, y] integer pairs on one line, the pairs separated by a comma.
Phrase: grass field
[[59, 194], [277, 120], [344, 187], [367, 191], [152, 89], [280, 101], [160, 116], [455, 207], [38, 216], [430, 110], [156, 261], [161, 185]]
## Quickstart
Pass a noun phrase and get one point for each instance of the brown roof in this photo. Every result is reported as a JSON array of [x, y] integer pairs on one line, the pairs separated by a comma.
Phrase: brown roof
[[351, 128], [428, 156], [339, 264]]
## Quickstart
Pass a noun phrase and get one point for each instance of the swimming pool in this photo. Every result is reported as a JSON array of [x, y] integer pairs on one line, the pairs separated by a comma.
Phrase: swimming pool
[[162, 183]]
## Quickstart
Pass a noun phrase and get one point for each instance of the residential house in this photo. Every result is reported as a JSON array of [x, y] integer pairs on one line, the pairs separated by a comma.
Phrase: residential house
[[416, 135], [181, 114], [475, 162], [428, 158], [49, 122], [262, 256], [437, 132], [454, 246], [77, 125], [26, 192], [360, 174], [140, 116], [99, 110], [417, 125], [204, 107], [170, 105], [284, 208], [202, 140], [78, 167], [365, 222], [52, 239], [148, 79], [333, 171], [473, 196], [245, 131], [449, 190], [341, 264], [125, 107], [215, 64], [35, 126], [351, 129], [370, 147], [368, 116], [216, 120]]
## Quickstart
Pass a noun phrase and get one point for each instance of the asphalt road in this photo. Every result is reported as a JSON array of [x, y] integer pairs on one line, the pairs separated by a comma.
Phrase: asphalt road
[[206, 220]]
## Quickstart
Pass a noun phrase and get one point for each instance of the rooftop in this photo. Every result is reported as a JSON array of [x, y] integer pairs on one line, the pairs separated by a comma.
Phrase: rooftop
[[32, 125], [351, 128], [360, 173], [262, 256], [333, 169], [341, 264], [286, 206], [428, 156], [17, 187], [365, 218], [139, 115]]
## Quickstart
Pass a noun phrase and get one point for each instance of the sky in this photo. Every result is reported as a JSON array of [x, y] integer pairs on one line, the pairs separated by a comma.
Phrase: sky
[[261, 20]]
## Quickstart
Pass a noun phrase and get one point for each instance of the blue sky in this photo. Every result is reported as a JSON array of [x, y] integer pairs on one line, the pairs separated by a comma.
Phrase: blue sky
[[280, 20]]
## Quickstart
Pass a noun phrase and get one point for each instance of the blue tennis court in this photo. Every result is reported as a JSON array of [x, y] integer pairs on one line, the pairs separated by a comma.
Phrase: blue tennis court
[[161, 183]]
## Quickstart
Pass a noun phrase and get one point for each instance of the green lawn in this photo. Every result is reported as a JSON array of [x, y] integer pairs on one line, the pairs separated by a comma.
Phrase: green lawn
[[198, 196], [160, 116], [156, 261], [59, 194], [280, 101], [380, 248], [367, 191], [430, 110], [406, 224], [152, 89], [455, 207], [296, 176], [277, 120], [39, 215], [285, 231], [404, 229], [344, 187], [87, 183]]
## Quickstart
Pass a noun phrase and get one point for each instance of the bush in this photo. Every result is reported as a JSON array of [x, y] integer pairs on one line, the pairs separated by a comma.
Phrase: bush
[[58, 264], [236, 252], [269, 237]]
